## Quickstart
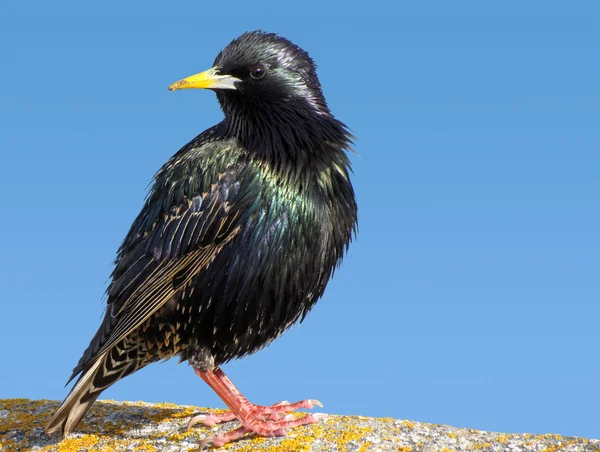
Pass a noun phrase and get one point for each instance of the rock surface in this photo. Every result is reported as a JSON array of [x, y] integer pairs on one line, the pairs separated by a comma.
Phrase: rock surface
[[138, 426]]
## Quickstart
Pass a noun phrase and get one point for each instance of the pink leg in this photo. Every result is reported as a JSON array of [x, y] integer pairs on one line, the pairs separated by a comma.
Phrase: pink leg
[[257, 410], [262, 420]]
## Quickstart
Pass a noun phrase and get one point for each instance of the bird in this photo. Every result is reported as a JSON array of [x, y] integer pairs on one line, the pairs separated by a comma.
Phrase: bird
[[240, 232]]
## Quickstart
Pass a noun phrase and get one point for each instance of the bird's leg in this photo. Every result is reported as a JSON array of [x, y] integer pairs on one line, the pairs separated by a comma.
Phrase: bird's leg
[[280, 407], [262, 420], [267, 413]]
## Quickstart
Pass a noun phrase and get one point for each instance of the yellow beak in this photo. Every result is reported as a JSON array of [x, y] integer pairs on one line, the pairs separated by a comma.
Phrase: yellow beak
[[206, 80]]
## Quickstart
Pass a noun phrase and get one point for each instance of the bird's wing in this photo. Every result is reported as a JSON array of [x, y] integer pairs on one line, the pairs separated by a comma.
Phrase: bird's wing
[[153, 264]]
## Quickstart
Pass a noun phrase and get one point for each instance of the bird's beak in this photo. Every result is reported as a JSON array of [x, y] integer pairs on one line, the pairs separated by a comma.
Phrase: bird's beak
[[206, 80]]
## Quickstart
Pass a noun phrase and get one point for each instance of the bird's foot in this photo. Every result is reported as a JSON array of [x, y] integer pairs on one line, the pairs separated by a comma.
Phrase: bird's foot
[[265, 413], [261, 420], [261, 428]]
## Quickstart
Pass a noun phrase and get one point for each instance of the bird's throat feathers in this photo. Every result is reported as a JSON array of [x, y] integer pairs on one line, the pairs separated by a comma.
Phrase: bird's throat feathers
[[288, 137]]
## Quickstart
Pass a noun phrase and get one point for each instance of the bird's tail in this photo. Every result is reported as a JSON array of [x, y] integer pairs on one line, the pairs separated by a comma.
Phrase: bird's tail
[[102, 373], [78, 402]]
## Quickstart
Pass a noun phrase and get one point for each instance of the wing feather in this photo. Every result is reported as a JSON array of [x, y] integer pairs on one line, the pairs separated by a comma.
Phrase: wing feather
[[164, 259]]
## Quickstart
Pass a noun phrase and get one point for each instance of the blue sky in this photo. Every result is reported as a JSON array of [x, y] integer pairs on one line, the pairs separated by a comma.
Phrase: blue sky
[[472, 294]]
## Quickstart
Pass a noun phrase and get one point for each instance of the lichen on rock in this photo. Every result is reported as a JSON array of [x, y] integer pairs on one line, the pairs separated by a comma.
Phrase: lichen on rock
[[139, 426]]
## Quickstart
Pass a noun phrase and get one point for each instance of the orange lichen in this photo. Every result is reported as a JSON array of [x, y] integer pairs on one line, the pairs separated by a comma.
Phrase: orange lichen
[[146, 448], [366, 447], [75, 444], [409, 424], [502, 438]]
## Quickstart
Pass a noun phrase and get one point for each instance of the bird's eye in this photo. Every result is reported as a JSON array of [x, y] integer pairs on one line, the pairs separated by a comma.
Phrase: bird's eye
[[258, 72]]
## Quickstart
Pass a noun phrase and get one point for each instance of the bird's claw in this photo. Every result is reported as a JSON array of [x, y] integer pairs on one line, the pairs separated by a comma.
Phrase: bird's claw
[[315, 403]]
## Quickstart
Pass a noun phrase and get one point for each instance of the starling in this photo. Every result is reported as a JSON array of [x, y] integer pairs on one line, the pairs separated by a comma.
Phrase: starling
[[238, 237]]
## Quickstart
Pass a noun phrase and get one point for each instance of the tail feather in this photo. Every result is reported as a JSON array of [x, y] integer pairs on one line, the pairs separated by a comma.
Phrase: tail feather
[[105, 370], [77, 403]]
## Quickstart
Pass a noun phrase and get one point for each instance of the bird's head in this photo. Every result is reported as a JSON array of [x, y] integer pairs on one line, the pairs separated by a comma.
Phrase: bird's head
[[261, 70], [270, 93]]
